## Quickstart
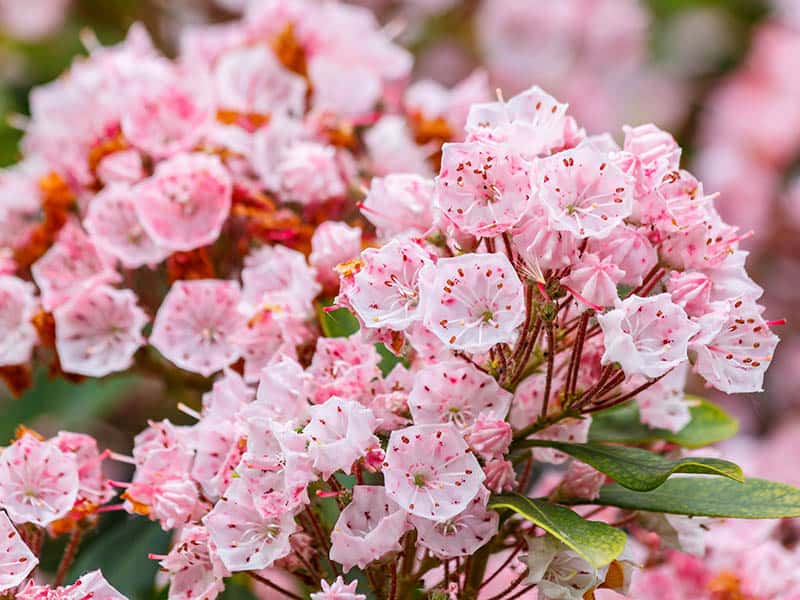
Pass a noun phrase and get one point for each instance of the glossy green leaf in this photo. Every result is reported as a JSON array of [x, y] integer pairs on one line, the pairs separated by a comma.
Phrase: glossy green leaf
[[709, 497], [598, 543], [336, 323], [709, 424], [639, 469]]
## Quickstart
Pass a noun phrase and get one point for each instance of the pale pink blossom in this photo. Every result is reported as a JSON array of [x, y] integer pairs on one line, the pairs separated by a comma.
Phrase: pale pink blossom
[[385, 292], [583, 192], [457, 392], [98, 331], [581, 481], [265, 149], [277, 276], [399, 203], [430, 472], [475, 301], [311, 173], [345, 367], [333, 242], [196, 324], [646, 336], [195, 570], [482, 187], [284, 390], [431, 100], [560, 573], [124, 167], [463, 534], [489, 436], [267, 333], [17, 333], [368, 528], [93, 485], [245, 539], [343, 89], [691, 290], [542, 247], [630, 250], [184, 204], [339, 433], [593, 281], [38, 482], [664, 405], [338, 590], [72, 264], [17, 559], [90, 585], [653, 153], [391, 148], [114, 227]]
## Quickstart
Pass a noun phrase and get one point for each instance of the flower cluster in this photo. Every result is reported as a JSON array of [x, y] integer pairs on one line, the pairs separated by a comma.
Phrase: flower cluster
[[542, 276]]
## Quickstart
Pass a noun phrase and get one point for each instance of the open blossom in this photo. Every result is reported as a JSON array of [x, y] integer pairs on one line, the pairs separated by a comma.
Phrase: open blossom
[[647, 336], [277, 276], [368, 528], [17, 559], [98, 331], [385, 292], [283, 390], [475, 301], [583, 191], [310, 173], [93, 487], [90, 585], [17, 333], [463, 534], [195, 325], [114, 226], [560, 574], [399, 203], [630, 250], [38, 482], [734, 353], [664, 404], [653, 154], [268, 332], [456, 392], [430, 472], [343, 367], [183, 205], [339, 433], [194, 568], [338, 590], [245, 539], [482, 188]]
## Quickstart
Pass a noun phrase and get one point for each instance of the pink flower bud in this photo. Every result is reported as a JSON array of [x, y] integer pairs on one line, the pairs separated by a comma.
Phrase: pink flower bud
[[500, 476], [581, 481], [489, 437]]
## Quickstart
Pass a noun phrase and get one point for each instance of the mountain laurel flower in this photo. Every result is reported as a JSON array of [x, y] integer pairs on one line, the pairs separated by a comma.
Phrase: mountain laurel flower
[[196, 324], [98, 331], [430, 472], [594, 281], [463, 534], [475, 301], [183, 205], [333, 242], [385, 292], [399, 203], [338, 590], [194, 569], [500, 475], [558, 572], [456, 392], [581, 481], [17, 333], [38, 482], [368, 528], [89, 585], [583, 192], [691, 290], [489, 436], [646, 336], [482, 188], [310, 174], [339, 433], [18, 561]]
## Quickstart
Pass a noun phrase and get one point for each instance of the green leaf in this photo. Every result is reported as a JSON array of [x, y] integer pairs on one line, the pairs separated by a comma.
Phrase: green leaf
[[66, 403], [709, 424], [709, 497], [598, 543], [120, 551], [336, 323], [639, 469]]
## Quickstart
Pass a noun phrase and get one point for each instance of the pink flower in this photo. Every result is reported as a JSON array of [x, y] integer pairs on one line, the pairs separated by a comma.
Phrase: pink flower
[[114, 227], [333, 242], [38, 482], [93, 485], [266, 147], [345, 89], [245, 539], [431, 100], [647, 336], [98, 331], [310, 173], [266, 334], [368, 528], [594, 281], [474, 302], [735, 348], [277, 276], [664, 405], [430, 472], [691, 290], [339, 433], [17, 333], [583, 191], [456, 392], [343, 367], [463, 534], [482, 187], [399, 203], [532, 123], [123, 167], [250, 81], [653, 154], [540, 246], [186, 201], [391, 148], [630, 250], [581, 481], [91, 585], [338, 590], [71, 264], [283, 390], [500, 476], [385, 291], [18, 560], [490, 437], [195, 570], [195, 325]]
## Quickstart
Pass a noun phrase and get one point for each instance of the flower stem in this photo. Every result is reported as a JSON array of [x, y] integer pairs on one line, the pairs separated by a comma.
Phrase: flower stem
[[69, 555]]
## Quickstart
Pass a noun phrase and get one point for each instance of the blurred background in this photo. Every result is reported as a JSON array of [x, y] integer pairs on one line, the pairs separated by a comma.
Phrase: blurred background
[[720, 74]]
